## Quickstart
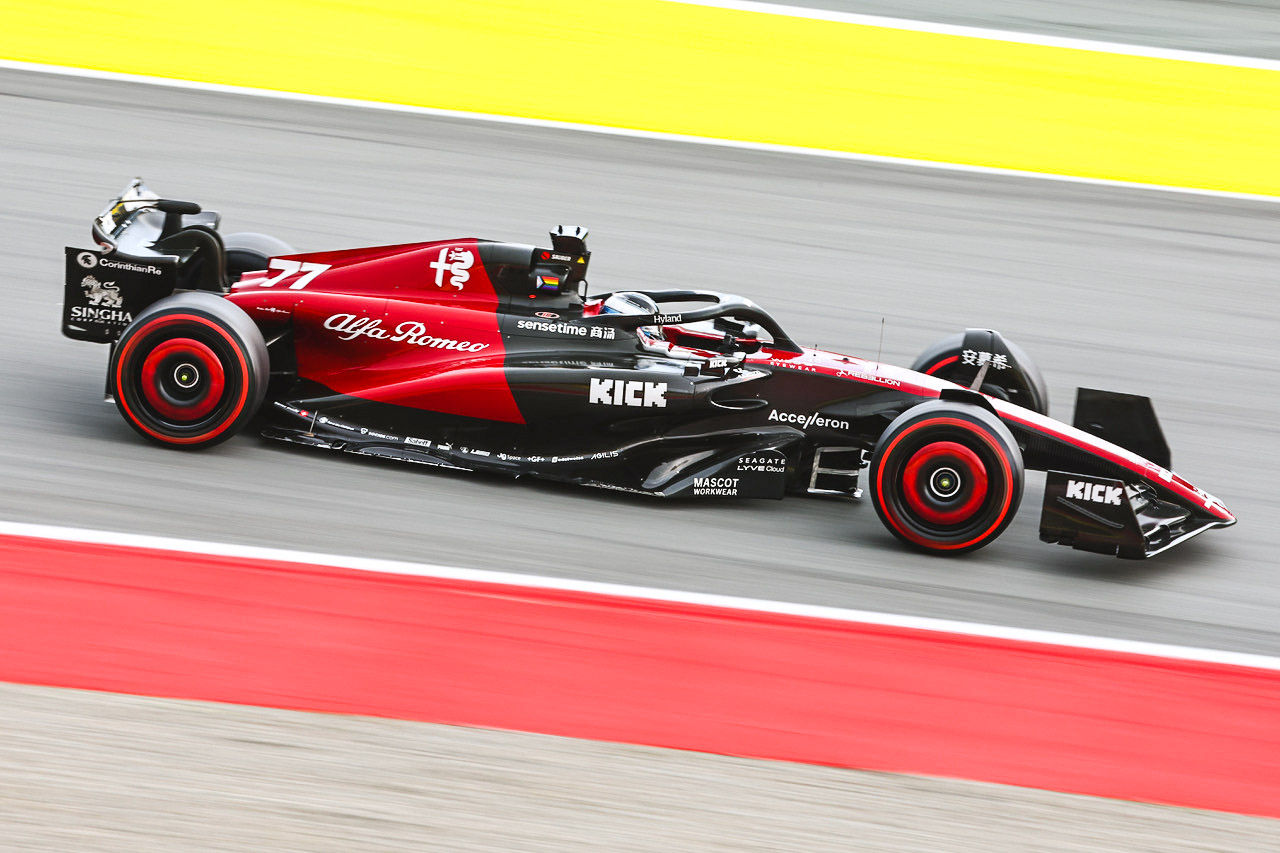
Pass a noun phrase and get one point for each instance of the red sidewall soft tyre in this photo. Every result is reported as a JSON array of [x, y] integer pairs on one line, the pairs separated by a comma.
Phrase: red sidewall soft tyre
[[190, 371], [946, 477]]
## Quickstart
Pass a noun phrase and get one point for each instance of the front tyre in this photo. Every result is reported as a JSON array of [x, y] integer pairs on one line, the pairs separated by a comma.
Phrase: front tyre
[[1023, 387], [190, 371], [946, 477]]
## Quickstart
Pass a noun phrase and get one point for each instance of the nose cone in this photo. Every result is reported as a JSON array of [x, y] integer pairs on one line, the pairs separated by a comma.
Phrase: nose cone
[[1212, 505]]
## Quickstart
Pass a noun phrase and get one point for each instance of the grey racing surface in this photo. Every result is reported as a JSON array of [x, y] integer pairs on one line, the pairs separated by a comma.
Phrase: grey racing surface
[[84, 771], [1236, 27], [1156, 293]]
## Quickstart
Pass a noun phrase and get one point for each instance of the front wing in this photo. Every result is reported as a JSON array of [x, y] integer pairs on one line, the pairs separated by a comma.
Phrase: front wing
[[1108, 516]]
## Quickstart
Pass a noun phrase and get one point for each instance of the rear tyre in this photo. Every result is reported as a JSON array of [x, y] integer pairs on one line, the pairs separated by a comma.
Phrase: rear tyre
[[247, 251], [946, 477], [943, 361], [190, 371]]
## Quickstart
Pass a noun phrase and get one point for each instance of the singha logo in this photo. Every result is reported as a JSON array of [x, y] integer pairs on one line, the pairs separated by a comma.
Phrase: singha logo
[[106, 295], [457, 262]]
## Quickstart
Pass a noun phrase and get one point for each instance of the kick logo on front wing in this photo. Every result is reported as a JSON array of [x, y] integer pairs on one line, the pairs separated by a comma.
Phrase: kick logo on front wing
[[628, 392], [1098, 493]]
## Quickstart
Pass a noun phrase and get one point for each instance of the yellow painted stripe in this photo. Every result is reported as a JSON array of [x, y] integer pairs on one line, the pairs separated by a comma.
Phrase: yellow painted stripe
[[707, 72]]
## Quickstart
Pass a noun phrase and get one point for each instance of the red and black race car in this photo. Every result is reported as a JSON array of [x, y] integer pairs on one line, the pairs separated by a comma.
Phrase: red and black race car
[[490, 356]]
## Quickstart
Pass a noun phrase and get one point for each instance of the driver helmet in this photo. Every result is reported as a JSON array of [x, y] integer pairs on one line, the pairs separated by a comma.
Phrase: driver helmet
[[633, 302], [629, 302]]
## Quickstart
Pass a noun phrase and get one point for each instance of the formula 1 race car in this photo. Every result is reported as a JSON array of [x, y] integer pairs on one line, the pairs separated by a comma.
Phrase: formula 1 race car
[[490, 356]]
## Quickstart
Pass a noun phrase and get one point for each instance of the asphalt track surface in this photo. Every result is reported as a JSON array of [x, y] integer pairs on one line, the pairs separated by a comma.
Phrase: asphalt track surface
[[85, 771], [1140, 291], [1249, 28]]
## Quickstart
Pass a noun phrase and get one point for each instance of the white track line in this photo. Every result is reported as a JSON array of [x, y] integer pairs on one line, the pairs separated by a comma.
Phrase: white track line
[[989, 34], [621, 131], [394, 567]]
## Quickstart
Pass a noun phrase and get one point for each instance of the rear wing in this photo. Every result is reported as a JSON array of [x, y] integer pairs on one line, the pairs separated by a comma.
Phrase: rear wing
[[143, 243], [104, 291]]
